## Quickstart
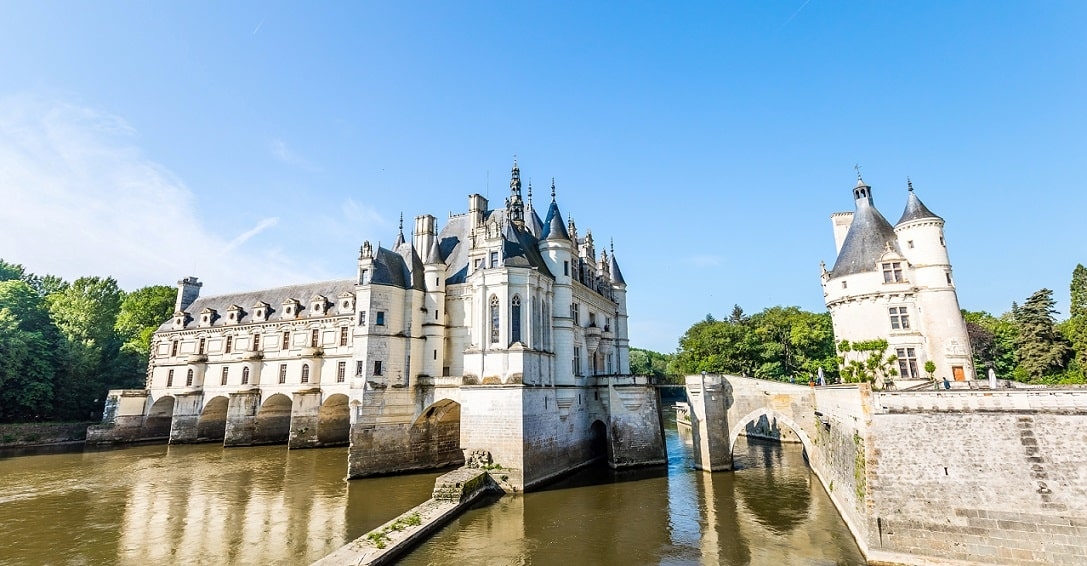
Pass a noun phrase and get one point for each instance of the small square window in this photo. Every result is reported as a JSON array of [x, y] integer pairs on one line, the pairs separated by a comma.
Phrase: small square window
[[379, 318], [899, 319]]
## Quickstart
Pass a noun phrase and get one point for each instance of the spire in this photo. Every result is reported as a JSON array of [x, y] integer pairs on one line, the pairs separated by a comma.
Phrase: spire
[[552, 189], [433, 255], [400, 235], [909, 184], [516, 205]]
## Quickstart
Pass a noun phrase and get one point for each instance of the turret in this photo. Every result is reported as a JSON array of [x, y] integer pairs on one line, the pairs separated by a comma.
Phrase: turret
[[188, 289]]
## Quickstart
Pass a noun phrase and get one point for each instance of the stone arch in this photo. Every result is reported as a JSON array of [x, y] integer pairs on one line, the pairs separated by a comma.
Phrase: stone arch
[[334, 421], [159, 417], [211, 425], [435, 434], [753, 416], [598, 441], [273, 422]]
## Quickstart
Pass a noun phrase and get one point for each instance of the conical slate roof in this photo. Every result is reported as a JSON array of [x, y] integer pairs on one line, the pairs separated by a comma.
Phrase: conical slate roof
[[616, 274], [915, 209], [554, 228], [868, 238]]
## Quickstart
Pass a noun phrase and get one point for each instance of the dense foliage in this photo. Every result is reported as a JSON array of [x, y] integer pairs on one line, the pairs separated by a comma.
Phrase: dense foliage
[[781, 343], [64, 345], [1028, 344], [653, 364]]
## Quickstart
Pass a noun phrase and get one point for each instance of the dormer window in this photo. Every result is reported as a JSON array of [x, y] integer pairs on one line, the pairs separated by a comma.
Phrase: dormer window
[[892, 272], [347, 303], [234, 314], [318, 305], [291, 308], [179, 319], [261, 310], [207, 317]]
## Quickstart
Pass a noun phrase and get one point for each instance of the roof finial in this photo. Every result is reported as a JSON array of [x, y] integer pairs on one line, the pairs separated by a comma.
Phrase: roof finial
[[401, 222], [552, 189], [857, 167], [612, 246], [909, 183], [530, 191]]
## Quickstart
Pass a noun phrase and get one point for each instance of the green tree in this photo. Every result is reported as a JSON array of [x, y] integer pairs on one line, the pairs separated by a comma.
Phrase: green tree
[[716, 347], [1075, 328], [86, 312], [993, 341], [27, 341], [10, 271], [652, 364], [141, 313], [867, 361], [1042, 352]]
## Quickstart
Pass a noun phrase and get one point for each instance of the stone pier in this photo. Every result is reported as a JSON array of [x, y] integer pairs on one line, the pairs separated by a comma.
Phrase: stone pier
[[304, 418], [241, 418]]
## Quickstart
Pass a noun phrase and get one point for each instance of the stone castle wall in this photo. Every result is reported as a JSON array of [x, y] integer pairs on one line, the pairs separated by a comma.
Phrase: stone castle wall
[[991, 477]]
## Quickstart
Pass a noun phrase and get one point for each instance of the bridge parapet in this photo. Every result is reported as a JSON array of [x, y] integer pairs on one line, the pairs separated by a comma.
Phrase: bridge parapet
[[1001, 400]]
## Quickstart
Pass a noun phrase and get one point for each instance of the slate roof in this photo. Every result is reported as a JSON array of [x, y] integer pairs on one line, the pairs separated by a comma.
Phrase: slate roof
[[616, 275], [273, 297], [868, 238], [554, 228], [915, 210], [520, 248], [390, 269]]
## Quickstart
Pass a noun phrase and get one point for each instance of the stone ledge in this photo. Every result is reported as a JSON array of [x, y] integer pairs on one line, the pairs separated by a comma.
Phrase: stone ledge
[[454, 493]]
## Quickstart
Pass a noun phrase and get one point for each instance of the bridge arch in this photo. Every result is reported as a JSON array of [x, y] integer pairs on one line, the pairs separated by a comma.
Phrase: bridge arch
[[273, 422], [334, 421], [598, 441], [436, 433], [211, 425], [740, 424], [159, 417]]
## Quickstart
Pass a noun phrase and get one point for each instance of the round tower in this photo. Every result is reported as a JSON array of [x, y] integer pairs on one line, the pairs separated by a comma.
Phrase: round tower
[[559, 253], [921, 239]]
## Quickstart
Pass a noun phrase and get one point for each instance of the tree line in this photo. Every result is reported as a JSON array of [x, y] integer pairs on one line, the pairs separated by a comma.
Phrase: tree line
[[1026, 344], [63, 344]]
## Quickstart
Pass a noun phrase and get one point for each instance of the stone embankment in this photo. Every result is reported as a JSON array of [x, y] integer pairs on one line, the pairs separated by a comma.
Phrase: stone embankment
[[40, 434], [453, 493]]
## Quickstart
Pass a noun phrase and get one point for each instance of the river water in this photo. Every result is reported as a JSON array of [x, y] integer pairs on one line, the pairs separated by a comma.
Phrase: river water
[[208, 505]]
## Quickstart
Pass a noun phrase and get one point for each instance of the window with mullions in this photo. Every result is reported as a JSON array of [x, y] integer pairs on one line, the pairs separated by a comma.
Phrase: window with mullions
[[892, 272], [305, 373], [245, 376], [907, 363], [226, 371], [899, 319], [494, 319], [515, 319]]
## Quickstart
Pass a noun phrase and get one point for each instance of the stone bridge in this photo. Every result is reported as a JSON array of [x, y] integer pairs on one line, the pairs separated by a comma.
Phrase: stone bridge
[[923, 477], [533, 433]]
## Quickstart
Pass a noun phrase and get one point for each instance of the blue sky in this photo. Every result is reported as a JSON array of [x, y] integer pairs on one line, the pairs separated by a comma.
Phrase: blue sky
[[256, 143]]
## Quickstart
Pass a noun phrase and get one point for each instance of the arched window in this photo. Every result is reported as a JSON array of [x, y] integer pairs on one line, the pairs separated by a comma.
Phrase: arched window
[[494, 319], [305, 373], [245, 375], [535, 324], [188, 379], [515, 319]]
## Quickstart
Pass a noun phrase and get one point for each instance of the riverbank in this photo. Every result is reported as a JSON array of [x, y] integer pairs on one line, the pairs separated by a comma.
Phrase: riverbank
[[42, 434]]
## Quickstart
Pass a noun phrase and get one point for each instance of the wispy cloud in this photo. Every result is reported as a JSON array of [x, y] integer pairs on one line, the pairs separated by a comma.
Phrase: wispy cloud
[[290, 157], [81, 198], [261, 226]]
